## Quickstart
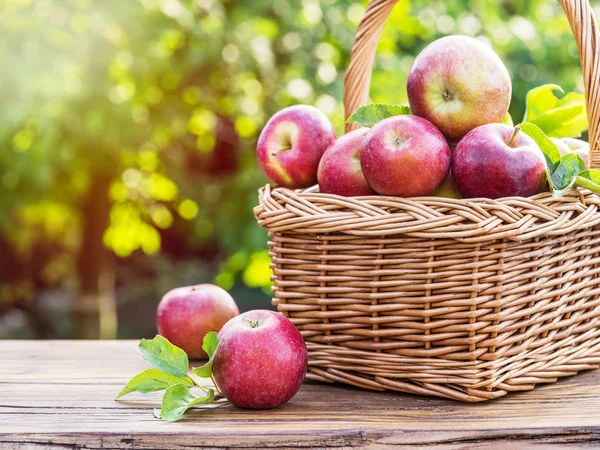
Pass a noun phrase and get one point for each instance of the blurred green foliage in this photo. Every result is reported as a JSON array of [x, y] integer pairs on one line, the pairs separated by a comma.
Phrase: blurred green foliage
[[165, 99]]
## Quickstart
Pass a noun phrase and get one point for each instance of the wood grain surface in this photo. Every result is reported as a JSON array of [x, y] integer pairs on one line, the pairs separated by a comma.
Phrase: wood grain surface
[[59, 395]]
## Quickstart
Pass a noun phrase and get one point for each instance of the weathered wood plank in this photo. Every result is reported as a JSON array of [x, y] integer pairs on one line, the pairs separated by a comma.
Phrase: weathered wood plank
[[60, 395]]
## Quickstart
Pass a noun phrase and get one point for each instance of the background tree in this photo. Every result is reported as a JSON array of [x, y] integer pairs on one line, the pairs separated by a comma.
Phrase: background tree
[[127, 134]]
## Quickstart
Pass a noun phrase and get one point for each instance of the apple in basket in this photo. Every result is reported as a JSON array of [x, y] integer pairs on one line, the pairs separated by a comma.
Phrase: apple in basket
[[291, 144], [186, 314], [405, 156], [458, 83], [339, 170], [497, 160], [577, 146], [261, 360]]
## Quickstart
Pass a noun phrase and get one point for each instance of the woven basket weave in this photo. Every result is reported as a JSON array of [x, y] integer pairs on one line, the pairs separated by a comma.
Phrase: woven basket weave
[[467, 299]]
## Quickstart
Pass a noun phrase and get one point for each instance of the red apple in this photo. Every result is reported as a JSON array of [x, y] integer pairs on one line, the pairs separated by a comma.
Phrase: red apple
[[339, 169], [261, 360], [291, 144], [458, 83], [405, 156], [497, 160], [186, 314], [577, 146]]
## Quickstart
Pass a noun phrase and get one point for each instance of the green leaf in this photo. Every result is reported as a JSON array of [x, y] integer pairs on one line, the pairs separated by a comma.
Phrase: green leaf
[[178, 399], [209, 345], [557, 117], [589, 179], [160, 354], [549, 148], [540, 99], [369, 115], [152, 380], [563, 177], [508, 120]]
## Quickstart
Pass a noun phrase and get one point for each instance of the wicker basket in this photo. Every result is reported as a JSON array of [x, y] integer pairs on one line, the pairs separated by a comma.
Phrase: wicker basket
[[466, 299]]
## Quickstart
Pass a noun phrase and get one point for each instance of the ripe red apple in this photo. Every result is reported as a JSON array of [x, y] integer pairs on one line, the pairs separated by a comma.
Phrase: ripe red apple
[[339, 170], [405, 156], [577, 146], [261, 360], [186, 314], [291, 144], [458, 83], [497, 160]]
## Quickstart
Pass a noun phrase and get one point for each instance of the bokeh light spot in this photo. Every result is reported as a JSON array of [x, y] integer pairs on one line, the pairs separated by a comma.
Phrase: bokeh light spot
[[188, 209]]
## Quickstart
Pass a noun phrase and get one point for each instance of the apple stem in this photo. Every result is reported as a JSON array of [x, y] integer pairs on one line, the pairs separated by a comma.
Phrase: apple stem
[[215, 383], [514, 135], [252, 323]]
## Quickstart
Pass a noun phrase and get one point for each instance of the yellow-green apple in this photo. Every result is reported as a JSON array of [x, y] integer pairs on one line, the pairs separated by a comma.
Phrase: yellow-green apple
[[186, 314], [339, 170], [291, 144], [447, 189], [261, 360], [404, 156], [458, 83], [497, 160], [572, 145]]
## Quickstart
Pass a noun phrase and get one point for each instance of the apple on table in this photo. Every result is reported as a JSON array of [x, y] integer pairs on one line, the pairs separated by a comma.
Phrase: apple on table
[[186, 314], [261, 360]]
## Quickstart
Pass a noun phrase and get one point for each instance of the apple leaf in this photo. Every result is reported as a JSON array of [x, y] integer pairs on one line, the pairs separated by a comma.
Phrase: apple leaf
[[589, 179], [369, 115], [563, 178], [151, 380], [178, 399], [209, 345], [508, 119], [562, 171], [548, 148], [160, 354], [557, 117]]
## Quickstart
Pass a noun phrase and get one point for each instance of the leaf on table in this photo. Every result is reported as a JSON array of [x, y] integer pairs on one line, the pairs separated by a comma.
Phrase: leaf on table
[[557, 117], [209, 345], [369, 115], [152, 380], [589, 179], [548, 148], [178, 399], [160, 354]]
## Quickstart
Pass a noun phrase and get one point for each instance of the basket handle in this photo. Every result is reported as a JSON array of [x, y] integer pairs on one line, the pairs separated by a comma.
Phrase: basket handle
[[581, 18]]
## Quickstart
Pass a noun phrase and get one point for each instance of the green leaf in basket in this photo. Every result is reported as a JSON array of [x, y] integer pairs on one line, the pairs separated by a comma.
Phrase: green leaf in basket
[[209, 345], [369, 115], [548, 148], [153, 380], [178, 399], [589, 179], [561, 171], [557, 117], [563, 178], [160, 354]]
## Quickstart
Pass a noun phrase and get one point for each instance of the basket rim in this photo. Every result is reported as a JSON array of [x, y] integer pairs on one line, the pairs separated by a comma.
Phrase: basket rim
[[465, 220]]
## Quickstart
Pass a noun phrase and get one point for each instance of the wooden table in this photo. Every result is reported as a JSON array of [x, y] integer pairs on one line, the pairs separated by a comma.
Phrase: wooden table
[[59, 395]]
